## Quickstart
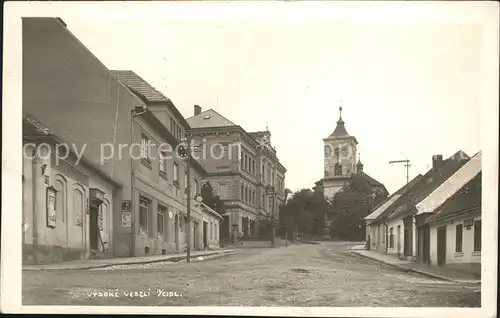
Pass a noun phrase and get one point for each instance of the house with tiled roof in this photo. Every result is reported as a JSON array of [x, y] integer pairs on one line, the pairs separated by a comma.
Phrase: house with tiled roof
[[119, 121], [244, 169], [397, 224], [373, 232], [449, 221]]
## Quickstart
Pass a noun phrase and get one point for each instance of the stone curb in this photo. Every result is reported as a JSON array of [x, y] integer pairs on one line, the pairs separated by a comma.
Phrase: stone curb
[[172, 259], [406, 269]]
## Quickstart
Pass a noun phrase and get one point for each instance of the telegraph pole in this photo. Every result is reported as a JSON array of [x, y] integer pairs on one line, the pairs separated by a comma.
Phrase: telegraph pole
[[186, 153], [406, 163]]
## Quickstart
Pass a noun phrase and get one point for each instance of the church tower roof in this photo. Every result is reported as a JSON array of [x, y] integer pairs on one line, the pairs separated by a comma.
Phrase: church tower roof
[[340, 129], [359, 165]]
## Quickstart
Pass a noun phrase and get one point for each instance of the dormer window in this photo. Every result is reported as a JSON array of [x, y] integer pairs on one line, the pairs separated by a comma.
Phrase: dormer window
[[206, 117]]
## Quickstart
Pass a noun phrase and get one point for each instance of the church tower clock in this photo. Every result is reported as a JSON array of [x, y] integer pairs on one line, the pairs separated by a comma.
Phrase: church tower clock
[[339, 158]]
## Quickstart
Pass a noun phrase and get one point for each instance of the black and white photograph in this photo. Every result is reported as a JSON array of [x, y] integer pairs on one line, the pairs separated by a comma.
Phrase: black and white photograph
[[294, 158]]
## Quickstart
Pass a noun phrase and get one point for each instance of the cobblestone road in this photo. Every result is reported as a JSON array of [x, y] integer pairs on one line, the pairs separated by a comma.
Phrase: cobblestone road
[[299, 275]]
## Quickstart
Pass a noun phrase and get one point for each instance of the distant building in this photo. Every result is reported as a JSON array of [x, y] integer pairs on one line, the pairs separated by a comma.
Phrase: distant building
[[243, 168], [340, 155]]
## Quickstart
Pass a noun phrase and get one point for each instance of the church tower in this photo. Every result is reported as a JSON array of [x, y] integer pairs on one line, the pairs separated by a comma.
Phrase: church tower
[[339, 158]]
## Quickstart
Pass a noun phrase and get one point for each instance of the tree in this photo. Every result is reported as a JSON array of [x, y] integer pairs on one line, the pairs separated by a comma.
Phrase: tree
[[212, 200], [305, 212], [351, 205]]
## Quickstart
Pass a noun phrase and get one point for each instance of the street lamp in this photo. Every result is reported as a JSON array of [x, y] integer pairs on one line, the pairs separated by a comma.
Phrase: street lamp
[[270, 191]]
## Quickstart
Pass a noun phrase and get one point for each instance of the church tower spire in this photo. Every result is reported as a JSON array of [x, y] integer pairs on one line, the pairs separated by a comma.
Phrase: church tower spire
[[340, 128], [359, 165]]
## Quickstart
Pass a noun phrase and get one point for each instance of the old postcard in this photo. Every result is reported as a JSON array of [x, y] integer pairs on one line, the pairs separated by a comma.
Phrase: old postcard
[[291, 158]]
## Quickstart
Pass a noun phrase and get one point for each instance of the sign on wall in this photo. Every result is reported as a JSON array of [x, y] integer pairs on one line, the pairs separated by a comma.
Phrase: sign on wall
[[126, 219], [51, 207]]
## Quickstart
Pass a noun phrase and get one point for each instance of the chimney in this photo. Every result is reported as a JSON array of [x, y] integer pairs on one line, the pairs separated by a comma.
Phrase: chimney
[[197, 110], [437, 160]]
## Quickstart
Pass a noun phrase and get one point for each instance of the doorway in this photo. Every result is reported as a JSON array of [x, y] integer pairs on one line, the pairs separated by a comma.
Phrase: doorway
[[408, 237], [225, 228], [205, 235], [426, 245], [94, 227], [399, 240], [441, 246]]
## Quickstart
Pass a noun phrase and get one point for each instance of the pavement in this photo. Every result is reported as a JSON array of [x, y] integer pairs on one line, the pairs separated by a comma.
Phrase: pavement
[[98, 263], [302, 275], [428, 270]]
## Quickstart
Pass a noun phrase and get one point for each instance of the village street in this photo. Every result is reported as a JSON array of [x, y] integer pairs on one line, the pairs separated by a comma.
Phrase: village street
[[326, 274]]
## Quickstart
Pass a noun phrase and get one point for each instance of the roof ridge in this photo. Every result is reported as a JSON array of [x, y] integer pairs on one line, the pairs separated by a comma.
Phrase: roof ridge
[[221, 116]]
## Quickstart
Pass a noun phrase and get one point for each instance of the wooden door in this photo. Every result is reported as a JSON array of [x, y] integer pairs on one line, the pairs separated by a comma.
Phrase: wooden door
[[441, 246]]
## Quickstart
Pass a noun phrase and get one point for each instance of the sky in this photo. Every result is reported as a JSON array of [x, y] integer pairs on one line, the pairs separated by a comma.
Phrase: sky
[[408, 90]]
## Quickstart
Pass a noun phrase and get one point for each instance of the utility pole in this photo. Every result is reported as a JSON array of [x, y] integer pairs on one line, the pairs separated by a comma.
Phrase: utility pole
[[406, 163], [185, 152]]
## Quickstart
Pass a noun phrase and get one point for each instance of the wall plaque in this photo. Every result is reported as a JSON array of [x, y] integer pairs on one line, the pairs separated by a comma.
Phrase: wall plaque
[[126, 219]]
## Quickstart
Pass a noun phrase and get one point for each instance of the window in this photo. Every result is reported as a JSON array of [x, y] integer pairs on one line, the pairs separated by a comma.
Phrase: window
[[162, 211], [242, 193], [244, 162], [145, 147], [211, 233], [262, 201], [196, 187], [176, 172], [185, 179], [477, 235], [215, 229], [163, 164], [78, 201], [338, 169], [458, 238], [143, 214], [337, 152], [60, 186]]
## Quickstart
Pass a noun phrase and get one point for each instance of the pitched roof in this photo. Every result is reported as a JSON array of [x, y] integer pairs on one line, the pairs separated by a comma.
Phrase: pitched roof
[[451, 185], [33, 128], [146, 92], [385, 204], [390, 200], [466, 199], [209, 118], [139, 86], [339, 129], [426, 185]]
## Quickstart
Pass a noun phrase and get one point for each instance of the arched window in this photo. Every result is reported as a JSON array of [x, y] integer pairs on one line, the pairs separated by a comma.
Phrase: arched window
[[60, 185], [78, 204]]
